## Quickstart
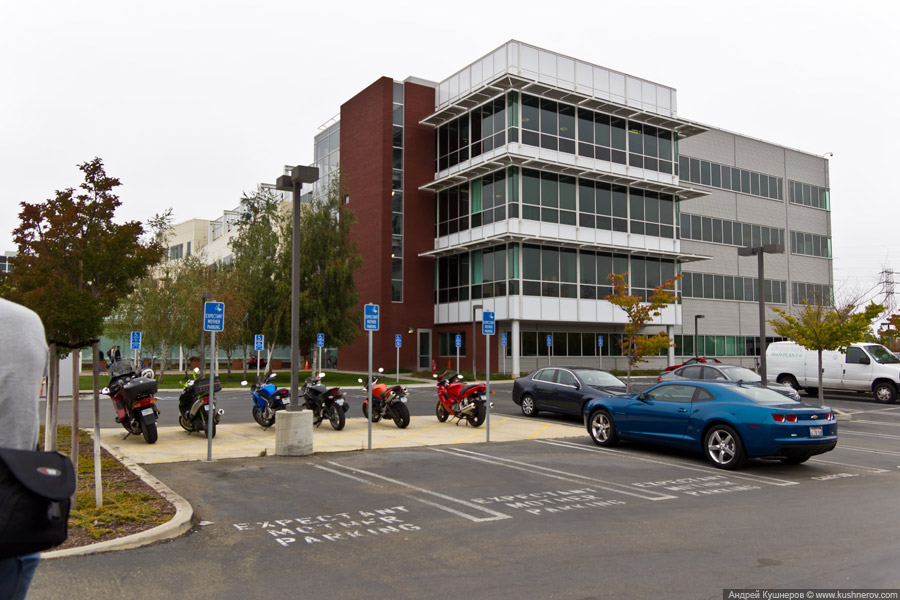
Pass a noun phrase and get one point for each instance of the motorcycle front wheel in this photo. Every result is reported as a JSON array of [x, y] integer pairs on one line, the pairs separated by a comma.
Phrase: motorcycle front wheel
[[185, 424], [401, 415], [150, 433], [375, 417], [441, 412], [336, 416], [260, 417]]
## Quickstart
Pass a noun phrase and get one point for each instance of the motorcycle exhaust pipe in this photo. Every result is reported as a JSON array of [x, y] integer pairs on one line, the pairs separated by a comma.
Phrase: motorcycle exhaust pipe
[[220, 411], [465, 409]]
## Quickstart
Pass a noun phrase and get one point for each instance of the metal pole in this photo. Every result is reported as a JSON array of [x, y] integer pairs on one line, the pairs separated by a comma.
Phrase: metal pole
[[474, 346], [457, 359], [98, 483], [762, 321], [295, 300], [211, 413], [398, 364], [487, 370], [369, 390]]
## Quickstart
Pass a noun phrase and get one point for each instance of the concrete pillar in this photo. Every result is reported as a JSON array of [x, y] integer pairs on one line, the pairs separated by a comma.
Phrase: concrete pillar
[[514, 348], [294, 433], [670, 331]]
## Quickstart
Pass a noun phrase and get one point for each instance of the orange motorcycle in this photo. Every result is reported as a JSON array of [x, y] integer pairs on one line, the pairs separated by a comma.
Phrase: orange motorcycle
[[387, 401]]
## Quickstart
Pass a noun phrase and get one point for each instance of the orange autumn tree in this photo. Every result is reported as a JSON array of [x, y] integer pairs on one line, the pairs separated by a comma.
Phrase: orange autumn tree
[[636, 346]]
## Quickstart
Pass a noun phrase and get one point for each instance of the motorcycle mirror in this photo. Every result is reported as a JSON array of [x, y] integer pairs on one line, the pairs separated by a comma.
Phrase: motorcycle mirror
[[244, 382], [381, 369], [359, 380], [148, 373], [320, 375], [105, 391], [196, 370], [459, 376], [434, 375]]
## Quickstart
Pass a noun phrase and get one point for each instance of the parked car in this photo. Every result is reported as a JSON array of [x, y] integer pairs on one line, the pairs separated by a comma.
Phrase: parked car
[[564, 390], [725, 373], [694, 361], [728, 422], [860, 368]]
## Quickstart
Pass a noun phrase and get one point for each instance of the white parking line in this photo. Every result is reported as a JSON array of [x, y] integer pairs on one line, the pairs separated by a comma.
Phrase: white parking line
[[869, 450], [861, 468], [348, 476], [496, 516], [608, 486], [731, 474], [854, 421], [883, 436]]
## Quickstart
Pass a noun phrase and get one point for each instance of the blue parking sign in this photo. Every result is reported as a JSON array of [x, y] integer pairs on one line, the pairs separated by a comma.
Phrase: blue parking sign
[[488, 323], [503, 340], [600, 340], [398, 341], [213, 316], [549, 340], [135, 340], [320, 340], [458, 341], [371, 317], [258, 342]]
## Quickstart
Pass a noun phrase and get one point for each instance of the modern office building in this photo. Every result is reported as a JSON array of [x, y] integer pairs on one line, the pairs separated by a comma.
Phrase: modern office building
[[519, 183]]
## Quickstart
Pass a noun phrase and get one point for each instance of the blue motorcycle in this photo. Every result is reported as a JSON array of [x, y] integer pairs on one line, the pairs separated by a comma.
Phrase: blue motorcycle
[[267, 400]]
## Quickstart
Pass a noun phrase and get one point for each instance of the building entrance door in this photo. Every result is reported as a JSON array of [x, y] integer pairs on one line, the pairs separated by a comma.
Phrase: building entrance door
[[424, 350]]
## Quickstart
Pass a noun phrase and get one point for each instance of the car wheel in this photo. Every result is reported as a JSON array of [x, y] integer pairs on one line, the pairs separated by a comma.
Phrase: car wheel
[[602, 428], [528, 407], [789, 380], [811, 391], [885, 392], [795, 460], [724, 448]]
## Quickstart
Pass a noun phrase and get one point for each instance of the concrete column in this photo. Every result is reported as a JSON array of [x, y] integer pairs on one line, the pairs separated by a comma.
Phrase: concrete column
[[514, 348], [294, 433], [670, 331]]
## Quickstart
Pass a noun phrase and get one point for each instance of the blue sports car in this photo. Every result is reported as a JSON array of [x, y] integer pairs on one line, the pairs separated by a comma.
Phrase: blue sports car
[[728, 422]]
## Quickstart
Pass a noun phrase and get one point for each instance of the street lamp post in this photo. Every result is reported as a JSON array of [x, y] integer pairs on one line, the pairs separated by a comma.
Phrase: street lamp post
[[475, 308], [292, 183], [696, 335], [759, 251]]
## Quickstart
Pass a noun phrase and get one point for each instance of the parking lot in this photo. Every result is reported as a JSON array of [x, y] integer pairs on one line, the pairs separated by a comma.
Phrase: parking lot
[[533, 518]]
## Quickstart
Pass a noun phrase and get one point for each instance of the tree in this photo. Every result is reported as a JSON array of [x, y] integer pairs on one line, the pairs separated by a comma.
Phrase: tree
[[635, 345], [819, 327], [74, 263]]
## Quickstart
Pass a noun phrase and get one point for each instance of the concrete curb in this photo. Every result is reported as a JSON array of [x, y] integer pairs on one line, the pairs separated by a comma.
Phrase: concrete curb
[[178, 525]]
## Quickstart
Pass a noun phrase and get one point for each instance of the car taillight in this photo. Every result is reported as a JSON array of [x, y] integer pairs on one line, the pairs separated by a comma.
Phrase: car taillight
[[780, 418], [829, 416]]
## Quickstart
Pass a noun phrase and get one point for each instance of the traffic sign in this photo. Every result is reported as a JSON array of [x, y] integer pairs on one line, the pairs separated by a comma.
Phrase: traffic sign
[[458, 341], [398, 340], [488, 323], [549, 340], [371, 317], [259, 341], [503, 339], [600, 340], [320, 340], [213, 316], [135, 340]]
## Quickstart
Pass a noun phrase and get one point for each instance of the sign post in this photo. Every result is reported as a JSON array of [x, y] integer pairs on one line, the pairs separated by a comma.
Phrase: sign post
[[398, 342], [488, 326], [600, 349], [258, 344], [458, 344], [371, 320], [320, 343], [503, 349], [549, 349], [135, 344], [213, 321]]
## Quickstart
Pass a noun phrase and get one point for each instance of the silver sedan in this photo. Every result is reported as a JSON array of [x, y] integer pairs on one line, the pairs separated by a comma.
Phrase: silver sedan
[[723, 372]]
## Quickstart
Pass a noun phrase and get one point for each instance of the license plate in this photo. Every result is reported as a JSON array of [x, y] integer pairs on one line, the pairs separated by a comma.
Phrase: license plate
[[147, 412], [815, 432]]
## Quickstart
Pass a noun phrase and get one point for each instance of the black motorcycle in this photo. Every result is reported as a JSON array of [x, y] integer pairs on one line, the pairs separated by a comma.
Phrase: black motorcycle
[[324, 401], [193, 405], [134, 396]]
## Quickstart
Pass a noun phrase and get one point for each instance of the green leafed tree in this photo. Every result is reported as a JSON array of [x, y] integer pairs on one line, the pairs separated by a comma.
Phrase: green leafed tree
[[640, 314], [822, 327], [75, 263]]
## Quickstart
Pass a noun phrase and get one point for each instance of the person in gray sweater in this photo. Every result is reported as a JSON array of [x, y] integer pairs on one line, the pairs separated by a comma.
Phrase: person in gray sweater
[[21, 370]]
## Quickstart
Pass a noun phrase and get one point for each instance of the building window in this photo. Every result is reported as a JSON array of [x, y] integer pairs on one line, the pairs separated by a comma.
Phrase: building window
[[818, 294], [176, 252], [810, 244], [730, 178], [447, 343], [396, 197], [728, 287], [731, 233], [809, 195]]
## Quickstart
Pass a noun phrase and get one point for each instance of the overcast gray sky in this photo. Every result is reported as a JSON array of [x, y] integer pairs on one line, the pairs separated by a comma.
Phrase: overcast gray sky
[[190, 103]]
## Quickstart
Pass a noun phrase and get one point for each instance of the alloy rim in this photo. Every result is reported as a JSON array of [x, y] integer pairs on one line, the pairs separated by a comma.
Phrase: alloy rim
[[721, 447], [527, 405], [600, 427]]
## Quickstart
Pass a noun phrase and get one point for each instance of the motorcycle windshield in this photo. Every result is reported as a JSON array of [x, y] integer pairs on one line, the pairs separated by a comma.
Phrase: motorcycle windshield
[[121, 367]]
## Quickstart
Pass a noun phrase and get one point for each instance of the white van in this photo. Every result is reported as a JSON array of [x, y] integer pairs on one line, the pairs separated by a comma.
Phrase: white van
[[864, 368]]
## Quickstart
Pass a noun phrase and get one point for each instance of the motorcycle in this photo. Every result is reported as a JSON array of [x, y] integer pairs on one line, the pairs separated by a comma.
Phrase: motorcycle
[[459, 400], [134, 397], [267, 400], [324, 402], [387, 401], [193, 405]]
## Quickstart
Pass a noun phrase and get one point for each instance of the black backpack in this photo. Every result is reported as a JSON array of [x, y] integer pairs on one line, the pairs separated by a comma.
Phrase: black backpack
[[35, 497]]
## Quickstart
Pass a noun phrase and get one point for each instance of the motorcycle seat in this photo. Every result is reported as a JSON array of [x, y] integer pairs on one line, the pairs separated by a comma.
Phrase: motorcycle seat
[[470, 387]]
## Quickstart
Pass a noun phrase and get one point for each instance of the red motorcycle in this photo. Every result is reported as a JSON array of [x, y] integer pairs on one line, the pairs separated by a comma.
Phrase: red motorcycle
[[134, 395], [389, 401], [460, 400]]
